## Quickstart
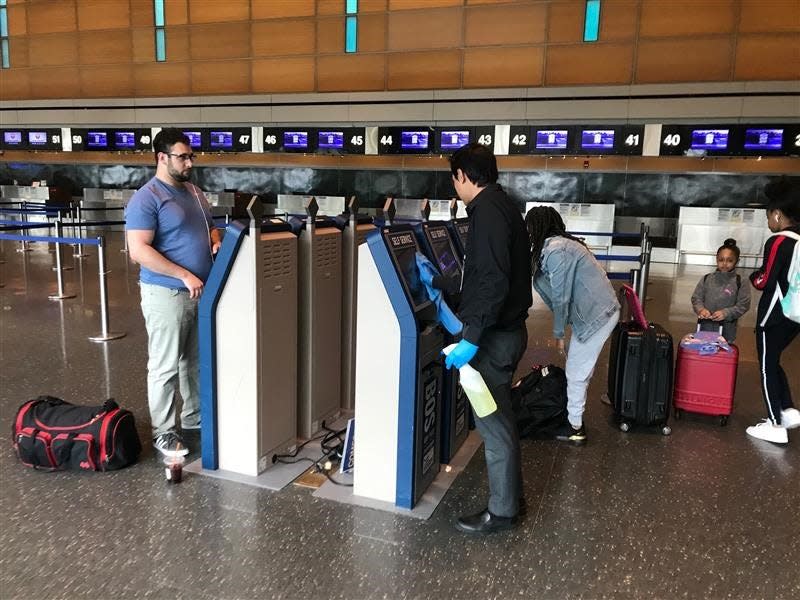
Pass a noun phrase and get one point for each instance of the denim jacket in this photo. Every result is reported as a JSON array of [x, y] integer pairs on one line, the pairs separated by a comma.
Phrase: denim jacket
[[575, 287]]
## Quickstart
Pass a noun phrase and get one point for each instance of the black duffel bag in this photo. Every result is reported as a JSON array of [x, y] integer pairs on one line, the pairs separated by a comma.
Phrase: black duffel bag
[[52, 434], [540, 402]]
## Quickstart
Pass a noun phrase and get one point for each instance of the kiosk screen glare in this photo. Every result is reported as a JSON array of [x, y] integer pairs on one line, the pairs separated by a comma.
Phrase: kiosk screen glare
[[295, 140], [124, 139], [442, 250], [709, 139], [330, 140], [37, 138], [597, 139], [551, 139], [221, 139], [195, 139], [414, 140], [12, 138], [404, 250], [453, 140], [763, 139]]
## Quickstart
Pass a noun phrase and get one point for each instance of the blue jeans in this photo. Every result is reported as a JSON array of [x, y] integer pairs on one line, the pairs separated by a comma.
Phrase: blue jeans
[[170, 317]]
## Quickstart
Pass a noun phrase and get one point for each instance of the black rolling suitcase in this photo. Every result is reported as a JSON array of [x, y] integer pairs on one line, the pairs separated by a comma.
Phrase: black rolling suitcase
[[640, 372]]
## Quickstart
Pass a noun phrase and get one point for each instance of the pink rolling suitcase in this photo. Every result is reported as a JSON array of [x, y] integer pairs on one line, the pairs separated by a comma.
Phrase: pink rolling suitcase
[[705, 383]]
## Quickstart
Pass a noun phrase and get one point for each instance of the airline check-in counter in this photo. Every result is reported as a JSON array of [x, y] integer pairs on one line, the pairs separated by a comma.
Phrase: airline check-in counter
[[702, 230], [35, 197], [100, 204], [248, 347]]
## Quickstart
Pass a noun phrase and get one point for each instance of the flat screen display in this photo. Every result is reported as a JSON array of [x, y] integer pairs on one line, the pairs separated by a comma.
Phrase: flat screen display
[[463, 232], [295, 140], [37, 138], [404, 248], [96, 139], [414, 140], [12, 138], [443, 250], [709, 139], [597, 139], [763, 139], [453, 140], [330, 140], [195, 139], [125, 139], [221, 139], [551, 139]]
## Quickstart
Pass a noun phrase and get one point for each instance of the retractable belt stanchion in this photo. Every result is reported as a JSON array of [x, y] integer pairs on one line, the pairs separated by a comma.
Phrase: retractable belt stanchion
[[59, 260], [105, 335], [79, 253], [60, 295], [645, 273]]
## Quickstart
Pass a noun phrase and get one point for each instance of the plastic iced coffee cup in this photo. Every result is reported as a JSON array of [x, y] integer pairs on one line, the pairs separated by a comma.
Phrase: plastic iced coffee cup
[[173, 468]]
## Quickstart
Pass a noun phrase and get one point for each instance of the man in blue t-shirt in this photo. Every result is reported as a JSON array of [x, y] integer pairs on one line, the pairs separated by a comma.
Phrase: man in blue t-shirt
[[172, 236]]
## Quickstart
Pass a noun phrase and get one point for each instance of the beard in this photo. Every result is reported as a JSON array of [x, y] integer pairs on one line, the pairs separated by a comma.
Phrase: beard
[[183, 177]]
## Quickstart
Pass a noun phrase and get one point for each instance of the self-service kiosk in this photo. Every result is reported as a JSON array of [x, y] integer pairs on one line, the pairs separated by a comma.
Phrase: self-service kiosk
[[248, 347], [320, 315], [398, 372], [459, 228]]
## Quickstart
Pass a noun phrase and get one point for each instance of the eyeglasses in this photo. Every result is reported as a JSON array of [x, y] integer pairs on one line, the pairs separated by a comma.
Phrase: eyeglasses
[[182, 157]]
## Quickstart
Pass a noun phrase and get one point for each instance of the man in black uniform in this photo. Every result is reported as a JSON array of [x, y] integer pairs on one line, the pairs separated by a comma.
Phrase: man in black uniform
[[495, 297]]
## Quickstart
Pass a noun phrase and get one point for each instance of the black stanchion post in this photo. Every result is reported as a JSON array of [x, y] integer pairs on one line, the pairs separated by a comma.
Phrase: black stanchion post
[[105, 334], [60, 295], [645, 273], [59, 260], [79, 253]]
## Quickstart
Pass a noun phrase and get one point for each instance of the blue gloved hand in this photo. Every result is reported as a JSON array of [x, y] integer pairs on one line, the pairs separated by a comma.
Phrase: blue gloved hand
[[460, 355], [426, 269]]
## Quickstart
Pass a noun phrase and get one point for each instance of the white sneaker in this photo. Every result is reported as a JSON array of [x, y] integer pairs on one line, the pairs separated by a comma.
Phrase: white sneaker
[[769, 432], [790, 418]]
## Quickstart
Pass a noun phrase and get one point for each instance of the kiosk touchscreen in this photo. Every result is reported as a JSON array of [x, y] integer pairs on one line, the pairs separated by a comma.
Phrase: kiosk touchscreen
[[398, 372], [436, 243], [459, 230]]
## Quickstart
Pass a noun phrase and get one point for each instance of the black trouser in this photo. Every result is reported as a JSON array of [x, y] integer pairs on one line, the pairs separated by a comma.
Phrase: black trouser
[[770, 342], [496, 360]]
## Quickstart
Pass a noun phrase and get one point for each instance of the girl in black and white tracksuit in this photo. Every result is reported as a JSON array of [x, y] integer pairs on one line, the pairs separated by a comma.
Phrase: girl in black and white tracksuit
[[774, 331]]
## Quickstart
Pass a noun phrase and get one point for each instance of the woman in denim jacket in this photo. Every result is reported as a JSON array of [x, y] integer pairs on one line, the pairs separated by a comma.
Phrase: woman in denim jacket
[[575, 287]]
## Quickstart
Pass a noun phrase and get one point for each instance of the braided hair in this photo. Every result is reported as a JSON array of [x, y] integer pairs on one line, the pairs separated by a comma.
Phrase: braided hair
[[543, 222]]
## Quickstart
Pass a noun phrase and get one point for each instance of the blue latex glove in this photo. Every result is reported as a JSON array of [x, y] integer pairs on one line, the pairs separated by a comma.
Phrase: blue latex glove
[[426, 269], [460, 355], [444, 313]]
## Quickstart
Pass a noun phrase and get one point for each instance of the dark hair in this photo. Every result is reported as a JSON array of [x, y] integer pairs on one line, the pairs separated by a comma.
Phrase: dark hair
[[477, 162], [167, 138], [784, 194], [729, 244], [543, 222]]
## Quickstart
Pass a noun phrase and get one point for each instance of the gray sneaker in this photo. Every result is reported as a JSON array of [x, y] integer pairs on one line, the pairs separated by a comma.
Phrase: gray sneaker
[[170, 444]]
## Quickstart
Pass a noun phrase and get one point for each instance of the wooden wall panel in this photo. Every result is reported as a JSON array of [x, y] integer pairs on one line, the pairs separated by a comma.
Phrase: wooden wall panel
[[667, 61], [565, 21], [282, 75], [141, 13], [351, 73], [218, 41], [505, 25], [372, 33], [15, 84], [18, 52], [103, 14], [17, 20], [479, 2], [54, 49], [424, 70], [281, 37], [45, 16], [281, 9], [766, 17], [105, 47], [330, 35], [589, 64], [176, 12], [618, 20], [425, 29], [414, 4], [221, 77], [216, 11], [143, 46], [503, 67], [55, 82], [775, 56], [162, 79], [107, 81], [178, 43], [686, 17]]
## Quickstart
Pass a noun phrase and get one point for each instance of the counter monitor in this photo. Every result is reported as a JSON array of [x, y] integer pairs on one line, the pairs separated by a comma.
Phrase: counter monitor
[[295, 140], [195, 139], [125, 139], [221, 139], [330, 140], [551, 139], [597, 139], [414, 140], [37, 138], [96, 139], [709, 139], [763, 139], [12, 138], [453, 140]]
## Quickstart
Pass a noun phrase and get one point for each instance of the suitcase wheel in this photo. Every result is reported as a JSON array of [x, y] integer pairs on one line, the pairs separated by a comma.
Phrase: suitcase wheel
[[723, 420], [625, 426], [666, 430]]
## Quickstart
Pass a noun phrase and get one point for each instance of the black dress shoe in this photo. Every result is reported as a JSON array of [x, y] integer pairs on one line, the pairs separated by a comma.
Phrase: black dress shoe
[[485, 522]]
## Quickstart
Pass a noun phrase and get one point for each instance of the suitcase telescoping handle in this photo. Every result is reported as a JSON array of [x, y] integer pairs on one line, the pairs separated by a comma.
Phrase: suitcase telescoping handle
[[700, 321]]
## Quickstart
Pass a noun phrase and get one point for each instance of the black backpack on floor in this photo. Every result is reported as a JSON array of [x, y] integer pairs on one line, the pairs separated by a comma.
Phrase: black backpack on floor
[[51, 434], [540, 402]]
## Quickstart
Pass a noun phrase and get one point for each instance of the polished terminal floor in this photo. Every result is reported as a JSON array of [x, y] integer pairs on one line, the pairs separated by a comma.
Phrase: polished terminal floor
[[704, 513]]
